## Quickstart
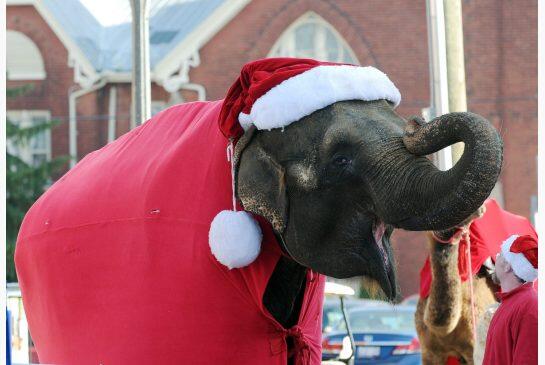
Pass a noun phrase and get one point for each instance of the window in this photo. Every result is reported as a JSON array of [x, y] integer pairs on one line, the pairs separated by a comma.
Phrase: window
[[38, 149], [23, 58], [382, 321], [312, 37]]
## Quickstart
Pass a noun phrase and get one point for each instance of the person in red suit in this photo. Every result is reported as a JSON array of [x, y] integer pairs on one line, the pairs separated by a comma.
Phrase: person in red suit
[[512, 335]]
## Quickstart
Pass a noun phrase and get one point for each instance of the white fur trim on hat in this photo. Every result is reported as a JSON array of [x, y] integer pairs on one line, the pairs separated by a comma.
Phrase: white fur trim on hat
[[235, 238], [315, 89], [245, 121], [520, 264]]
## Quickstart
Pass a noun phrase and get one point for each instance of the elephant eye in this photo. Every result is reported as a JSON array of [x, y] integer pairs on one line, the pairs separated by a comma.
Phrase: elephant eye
[[341, 161]]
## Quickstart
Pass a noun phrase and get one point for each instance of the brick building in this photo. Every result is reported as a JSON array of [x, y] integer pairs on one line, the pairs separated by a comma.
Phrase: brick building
[[81, 70]]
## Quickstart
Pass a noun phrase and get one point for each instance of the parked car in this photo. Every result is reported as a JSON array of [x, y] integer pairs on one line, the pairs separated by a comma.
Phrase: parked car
[[383, 335]]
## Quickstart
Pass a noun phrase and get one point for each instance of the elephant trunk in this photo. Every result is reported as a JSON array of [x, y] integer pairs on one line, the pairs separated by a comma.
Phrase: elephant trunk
[[411, 193]]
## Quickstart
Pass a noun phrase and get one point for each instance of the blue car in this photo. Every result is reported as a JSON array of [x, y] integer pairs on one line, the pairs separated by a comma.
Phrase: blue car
[[383, 335]]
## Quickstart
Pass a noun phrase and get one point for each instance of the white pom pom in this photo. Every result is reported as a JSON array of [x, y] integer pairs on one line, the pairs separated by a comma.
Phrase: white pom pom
[[235, 238]]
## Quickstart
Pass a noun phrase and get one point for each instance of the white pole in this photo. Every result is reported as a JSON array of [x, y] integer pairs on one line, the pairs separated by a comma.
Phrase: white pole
[[454, 36], [72, 118], [112, 113], [72, 129], [438, 70], [141, 85]]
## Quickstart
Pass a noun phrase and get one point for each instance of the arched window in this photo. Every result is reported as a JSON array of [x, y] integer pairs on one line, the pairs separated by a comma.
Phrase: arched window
[[311, 36], [24, 60]]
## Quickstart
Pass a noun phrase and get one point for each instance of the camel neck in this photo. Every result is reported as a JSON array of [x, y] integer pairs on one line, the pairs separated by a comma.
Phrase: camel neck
[[444, 258], [444, 265]]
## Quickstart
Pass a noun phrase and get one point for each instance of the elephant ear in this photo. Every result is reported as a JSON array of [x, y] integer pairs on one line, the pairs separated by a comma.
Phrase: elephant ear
[[260, 181]]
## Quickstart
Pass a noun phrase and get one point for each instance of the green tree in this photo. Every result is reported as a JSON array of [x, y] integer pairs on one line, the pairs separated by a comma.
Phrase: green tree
[[24, 182]]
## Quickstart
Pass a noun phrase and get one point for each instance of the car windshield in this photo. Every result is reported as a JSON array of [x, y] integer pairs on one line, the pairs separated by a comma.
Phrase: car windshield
[[333, 317], [381, 321]]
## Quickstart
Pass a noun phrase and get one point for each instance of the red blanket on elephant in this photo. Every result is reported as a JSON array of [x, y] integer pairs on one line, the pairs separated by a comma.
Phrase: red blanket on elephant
[[115, 268]]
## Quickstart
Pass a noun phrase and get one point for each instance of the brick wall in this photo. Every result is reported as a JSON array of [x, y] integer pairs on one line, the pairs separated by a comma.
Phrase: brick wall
[[501, 68], [501, 71], [52, 93]]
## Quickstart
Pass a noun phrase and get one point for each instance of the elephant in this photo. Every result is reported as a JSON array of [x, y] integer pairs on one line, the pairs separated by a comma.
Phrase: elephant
[[361, 169], [327, 190]]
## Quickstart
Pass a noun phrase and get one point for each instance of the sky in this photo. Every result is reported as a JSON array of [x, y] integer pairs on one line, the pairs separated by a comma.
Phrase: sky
[[109, 12], [112, 12]]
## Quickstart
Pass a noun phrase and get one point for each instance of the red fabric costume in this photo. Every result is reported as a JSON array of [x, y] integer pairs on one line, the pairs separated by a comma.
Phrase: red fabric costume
[[115, 268], [512, 335]]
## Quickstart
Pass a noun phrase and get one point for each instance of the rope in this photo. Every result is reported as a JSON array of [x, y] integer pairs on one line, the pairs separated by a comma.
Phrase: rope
[[471, 294], [230, 158]]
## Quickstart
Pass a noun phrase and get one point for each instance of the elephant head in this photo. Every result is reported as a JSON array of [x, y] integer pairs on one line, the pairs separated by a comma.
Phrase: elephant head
[[336, 183]]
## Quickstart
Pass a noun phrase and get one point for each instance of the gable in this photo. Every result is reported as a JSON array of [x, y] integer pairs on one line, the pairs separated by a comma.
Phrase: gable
[[84, 71]]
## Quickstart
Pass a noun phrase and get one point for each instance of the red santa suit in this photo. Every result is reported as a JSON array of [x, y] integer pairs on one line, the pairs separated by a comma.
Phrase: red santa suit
[[512, 334], [118, 261]]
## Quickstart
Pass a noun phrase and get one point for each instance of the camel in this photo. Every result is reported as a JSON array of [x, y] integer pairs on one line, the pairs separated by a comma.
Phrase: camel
[[444, 319]]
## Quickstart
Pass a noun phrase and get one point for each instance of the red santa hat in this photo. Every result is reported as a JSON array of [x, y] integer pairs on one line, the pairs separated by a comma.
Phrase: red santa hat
[[273, 93], [521, 253]]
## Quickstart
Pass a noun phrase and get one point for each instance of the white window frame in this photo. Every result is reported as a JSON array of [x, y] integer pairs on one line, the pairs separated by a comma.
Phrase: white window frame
[[24, 119], [285, 45]]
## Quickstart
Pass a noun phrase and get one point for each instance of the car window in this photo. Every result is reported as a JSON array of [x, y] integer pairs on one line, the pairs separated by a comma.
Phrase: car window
[[380, 321], [332, 318]]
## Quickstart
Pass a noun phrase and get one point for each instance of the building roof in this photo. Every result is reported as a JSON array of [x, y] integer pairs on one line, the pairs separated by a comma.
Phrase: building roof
[[109, 48]]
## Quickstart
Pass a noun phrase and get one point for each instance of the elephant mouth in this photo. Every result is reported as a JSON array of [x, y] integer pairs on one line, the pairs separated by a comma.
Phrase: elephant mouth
[[384, 278], [379, 228], [366, 253]]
